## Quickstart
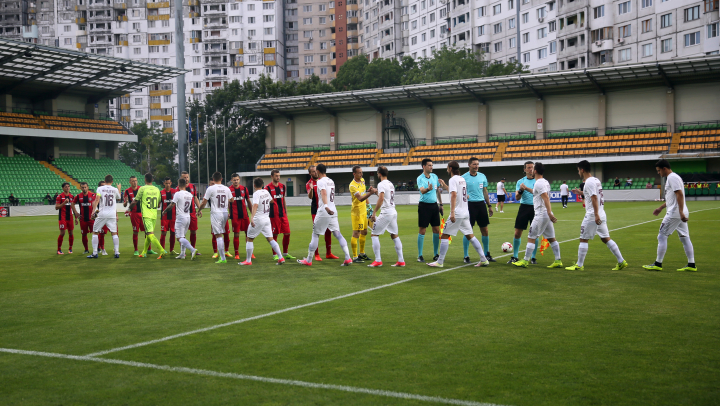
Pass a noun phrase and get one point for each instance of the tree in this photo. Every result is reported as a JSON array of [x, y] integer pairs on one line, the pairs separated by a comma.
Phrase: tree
[[456, 64], [154, 152]]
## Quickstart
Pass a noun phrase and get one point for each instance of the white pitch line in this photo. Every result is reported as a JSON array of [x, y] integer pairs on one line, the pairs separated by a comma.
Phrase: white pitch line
[[205, 372], [202, 330]]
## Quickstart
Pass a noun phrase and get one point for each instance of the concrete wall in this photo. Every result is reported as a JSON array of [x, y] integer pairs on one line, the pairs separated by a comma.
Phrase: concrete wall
[[456, 119], [416, 118], [571, 111], [312, 129], [355, 127], [509, 116], [697, 102], [73, 147], [637, 106]]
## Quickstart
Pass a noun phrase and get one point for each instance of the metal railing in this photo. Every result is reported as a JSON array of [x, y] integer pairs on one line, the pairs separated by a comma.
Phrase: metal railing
[[636, 129], [520, 136], [573, 132], [697, 125], [459, 139], [311, 148], [357, 145]]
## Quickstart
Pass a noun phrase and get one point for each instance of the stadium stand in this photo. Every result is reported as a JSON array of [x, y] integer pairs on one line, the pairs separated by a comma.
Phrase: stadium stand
[[348, 157], [391, 159], [19, 120], [82, 124], [652, 143], [84, 169], [454, 152], [28, 180], [290, 160], [699, 138]]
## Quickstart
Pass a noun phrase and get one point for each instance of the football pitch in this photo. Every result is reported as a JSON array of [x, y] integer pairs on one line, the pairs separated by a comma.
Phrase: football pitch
[[145, 331]]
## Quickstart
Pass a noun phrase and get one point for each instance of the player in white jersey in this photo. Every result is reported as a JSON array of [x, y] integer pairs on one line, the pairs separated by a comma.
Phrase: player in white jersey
[[182, 201], [676, 218], [219, 197], [260, 223], [543, 220], [564, 194], [387, 220], [500, 196], [595, 221], [326, 218], [459, 219], [106, 214]]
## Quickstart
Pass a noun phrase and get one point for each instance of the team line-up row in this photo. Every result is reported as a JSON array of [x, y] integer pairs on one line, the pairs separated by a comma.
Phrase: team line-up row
[[469, 204]]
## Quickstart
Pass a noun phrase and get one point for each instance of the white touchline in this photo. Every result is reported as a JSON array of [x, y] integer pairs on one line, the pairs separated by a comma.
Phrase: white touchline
[[260, 316], [205, 372]]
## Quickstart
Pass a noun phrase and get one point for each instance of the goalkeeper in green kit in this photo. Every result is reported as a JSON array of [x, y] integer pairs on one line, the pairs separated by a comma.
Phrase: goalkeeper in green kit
[[148, 197]]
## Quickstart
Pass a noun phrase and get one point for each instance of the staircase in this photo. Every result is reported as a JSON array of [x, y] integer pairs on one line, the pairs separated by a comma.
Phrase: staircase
[[409, 155], [500, 151], [314, 159], [675, 143], [375, 159], [60, 173]]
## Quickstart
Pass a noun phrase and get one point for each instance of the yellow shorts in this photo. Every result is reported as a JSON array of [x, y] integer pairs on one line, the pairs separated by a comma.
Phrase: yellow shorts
[[149, 224], [359, 222]]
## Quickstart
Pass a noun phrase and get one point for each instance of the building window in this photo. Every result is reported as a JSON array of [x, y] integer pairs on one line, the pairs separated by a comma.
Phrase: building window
[[309, 71], [647, 50], [624, 8], [553, 47], [692, 13], [525, 18], [712, 30], [542, 33], [542, 53], [647, 25], [692, 39], [552, 26], [665, 20], [498, 47], [497, 28], [526, 37], [646, 3], [481, 12], [307, 9], [511, 23], [526, 57], [138, 101], [497, 9], [624, 31], [323, 71], [666, 45], [541, 13], [599, 11], [624, 55], [481, 30], [512, 42]]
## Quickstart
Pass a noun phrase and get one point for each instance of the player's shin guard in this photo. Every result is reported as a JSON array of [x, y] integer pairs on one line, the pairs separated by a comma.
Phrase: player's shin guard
[[95, 244], [362, 243], [661, 248], [275, 247], [60, 241], [116, 243], [71, 239], [615, 250], [354, 245], [185, 244], [193, 239], [688, 247], [476, 244], [436, 243], [146, 244], [343, 243], [85, 241], [398, 249], [537, 245], [249, 247], [236, 244], [420, 243], [516, 247], [529, 250], [556, 250], [153, 240], [214, 244], [220, 248], [466, 247], [162, 240], [376, 247], [135, 241], [286, 243], [226, 242], [486, 244], [444, 245], [582, 252], [312, 248], [172, 241], [328, 242]]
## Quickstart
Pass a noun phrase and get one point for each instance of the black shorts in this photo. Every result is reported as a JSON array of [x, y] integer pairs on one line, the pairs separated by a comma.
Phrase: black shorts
[[525, 216], [501, 198], [428, 213], [478, 214]]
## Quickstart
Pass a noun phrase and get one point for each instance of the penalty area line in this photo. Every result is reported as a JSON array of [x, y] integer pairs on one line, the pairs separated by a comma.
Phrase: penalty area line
[[217, 374]]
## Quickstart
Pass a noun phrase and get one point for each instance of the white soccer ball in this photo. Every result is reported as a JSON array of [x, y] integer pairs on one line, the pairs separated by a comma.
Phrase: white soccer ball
[[507, 247]]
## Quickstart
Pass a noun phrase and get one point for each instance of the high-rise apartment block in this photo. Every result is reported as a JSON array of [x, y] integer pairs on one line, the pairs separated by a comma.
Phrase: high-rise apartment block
[[295, 39]]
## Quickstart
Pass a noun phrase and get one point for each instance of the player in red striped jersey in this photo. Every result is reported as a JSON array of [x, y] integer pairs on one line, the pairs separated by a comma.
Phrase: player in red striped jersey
[[311, 188], [278, 212], [136, 218], [167, 221], [190, 188], [84, 215], [239, 211], [63, 203]]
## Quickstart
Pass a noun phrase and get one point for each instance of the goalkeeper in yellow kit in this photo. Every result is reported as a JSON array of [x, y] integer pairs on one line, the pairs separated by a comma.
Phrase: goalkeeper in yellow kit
[[148, 197], [358, 214]]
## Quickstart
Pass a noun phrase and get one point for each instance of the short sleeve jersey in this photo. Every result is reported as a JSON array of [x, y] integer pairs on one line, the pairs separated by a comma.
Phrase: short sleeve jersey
[[149, 199], [541, 186], [219, 197], [277, 193], [526, 197], [674, 183], [564, 190], [500, 190], [263, 200], [312, 184], [475, 185], [183, 202], [593, 187], [65, 212], [238, 207], [167, 198], [358, 208], [388, 189], [130, 194], [85, 202], [424, 182], [457, 184], [107, 196], [328, 186], [190, 188]]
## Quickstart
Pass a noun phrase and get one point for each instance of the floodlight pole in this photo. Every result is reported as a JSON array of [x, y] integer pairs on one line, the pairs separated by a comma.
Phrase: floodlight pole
[[180, 64], [225, 150]]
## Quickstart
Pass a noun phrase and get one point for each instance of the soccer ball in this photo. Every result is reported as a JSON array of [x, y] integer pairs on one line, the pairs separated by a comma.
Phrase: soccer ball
[[507, 247]]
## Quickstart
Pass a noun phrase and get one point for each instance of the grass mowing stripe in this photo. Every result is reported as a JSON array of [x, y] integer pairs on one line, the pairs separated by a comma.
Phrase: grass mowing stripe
[[205, 372], [202, 330]]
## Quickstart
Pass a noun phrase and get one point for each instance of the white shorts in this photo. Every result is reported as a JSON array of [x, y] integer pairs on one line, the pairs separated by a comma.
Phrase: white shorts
[[541, 225], [262, 226], [181, 226], [109, 222], [385, 222], [589, 229], [218, 222], [670, 224], [323, 223], [460, 224]]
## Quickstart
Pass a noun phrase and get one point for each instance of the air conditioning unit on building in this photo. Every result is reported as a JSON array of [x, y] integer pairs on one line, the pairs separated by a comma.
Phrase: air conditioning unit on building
[[541, 19], [621, 40], [598, 43]]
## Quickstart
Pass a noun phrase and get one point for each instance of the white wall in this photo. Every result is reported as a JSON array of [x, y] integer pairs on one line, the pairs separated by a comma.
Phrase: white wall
[[356, 127], [508, 116], [637, 106], [312, 129], [456, 119], [699, 102], [572, 111]]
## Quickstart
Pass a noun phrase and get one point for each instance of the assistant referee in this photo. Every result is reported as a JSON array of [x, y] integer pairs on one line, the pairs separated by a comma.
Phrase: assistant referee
[[478, 198], [526, 212], [429, 208]]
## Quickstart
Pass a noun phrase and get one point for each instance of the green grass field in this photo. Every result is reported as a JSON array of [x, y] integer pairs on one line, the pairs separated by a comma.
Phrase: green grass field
[[465, 335]]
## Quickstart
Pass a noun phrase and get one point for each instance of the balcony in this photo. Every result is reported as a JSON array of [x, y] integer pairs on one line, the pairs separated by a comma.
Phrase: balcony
[[216, 24], [80, 20], [158, 17], [120, 5], [269, 63], [160, 4], [573, 51], [100, 18], [121, 43], [165, 92], [193, 2], [240, 51], [159, 42], [216, 51], [333, 62], [216, 64], [238, 64], [194, 40], [122, 18], [602, 45], [193, 14]]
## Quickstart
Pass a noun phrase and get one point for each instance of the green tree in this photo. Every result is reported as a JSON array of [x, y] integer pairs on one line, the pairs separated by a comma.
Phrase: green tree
[[456, 64], [154, 152]]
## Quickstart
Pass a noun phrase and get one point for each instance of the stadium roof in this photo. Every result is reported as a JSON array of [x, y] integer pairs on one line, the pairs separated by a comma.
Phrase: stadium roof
[[43, 72], [666, 73]]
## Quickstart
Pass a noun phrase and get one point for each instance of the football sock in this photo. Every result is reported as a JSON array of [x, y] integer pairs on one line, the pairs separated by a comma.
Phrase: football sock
[[689, 252], [236, 243], [343, 243], [162, 240], [193, 239], [101, 244], [436, 243], [376, 247], [476, 244], [185, 244], [220, 247], [615, 250], [275, 248], [582, 252], [537, 245], [328, 242], [154, 240], [556, 249], [135, 241], [275, 236], [362, 243], [444, 245], [398, 249], [71, 239], [116, 243], [249, 247], [420, 243], [466, 247], [172, 241], [146, 244], [95, 244], [662, 247], [286, 243], [214, 244], [516, 247], [60, 241], [529, 250], [313, 247], [486, 244], [226, 242], [85, 241], [354, 245]]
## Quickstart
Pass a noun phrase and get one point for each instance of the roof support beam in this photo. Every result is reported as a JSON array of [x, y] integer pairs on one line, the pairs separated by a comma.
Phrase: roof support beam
[[374, 107], [53, 69], [532, 89], [314, 104], [8, 58], [594, 82], [97, 98], [423, 102], [668, 83], [287, 116], [473, 94], [263, 116], [85, 81]]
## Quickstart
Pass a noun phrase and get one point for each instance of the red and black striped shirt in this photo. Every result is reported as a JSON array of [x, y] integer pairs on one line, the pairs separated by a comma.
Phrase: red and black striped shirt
[[238, 207], [312, 184], [85, 202], [190, 188], [130, 193], [167, 197], [277, 193], [65, 212]]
